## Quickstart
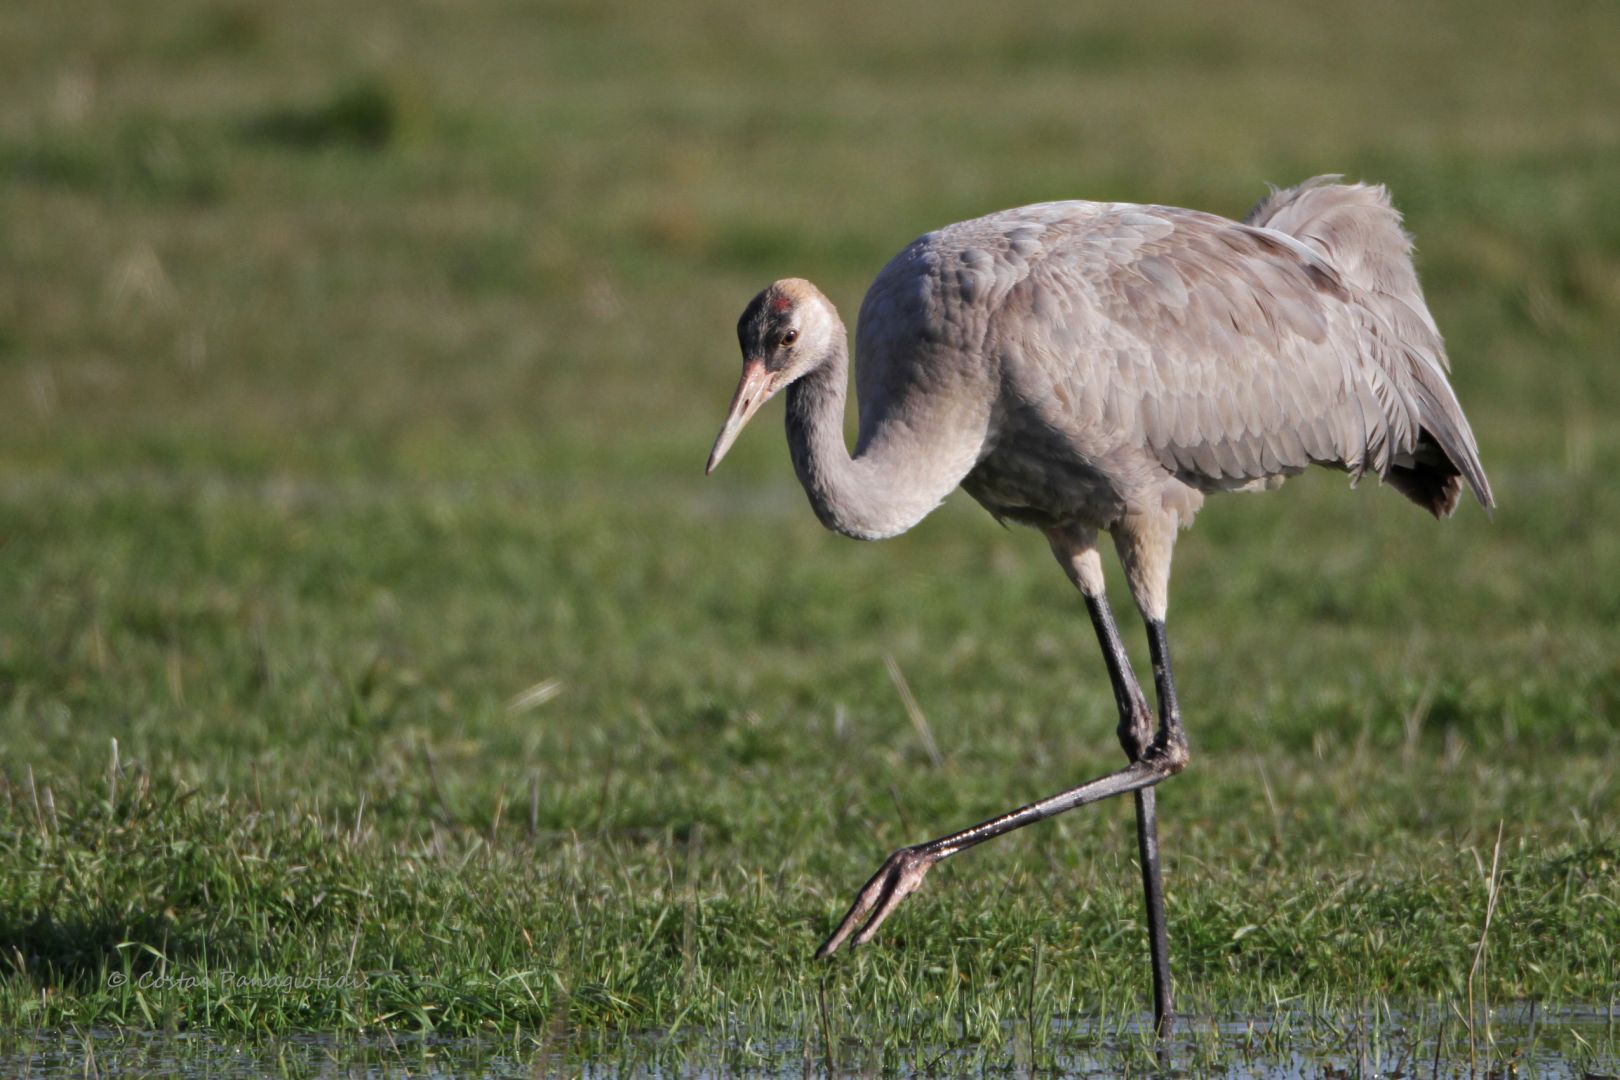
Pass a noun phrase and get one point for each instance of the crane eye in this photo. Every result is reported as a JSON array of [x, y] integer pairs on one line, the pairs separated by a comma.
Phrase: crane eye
[[790, 337]]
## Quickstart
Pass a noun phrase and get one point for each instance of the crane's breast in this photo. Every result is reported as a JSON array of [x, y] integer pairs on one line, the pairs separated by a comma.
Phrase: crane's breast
[[938, 350], [1038, 481]]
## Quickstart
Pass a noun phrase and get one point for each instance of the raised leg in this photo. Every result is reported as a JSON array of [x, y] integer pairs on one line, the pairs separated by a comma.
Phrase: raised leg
[[904, 870], [1155, 756]]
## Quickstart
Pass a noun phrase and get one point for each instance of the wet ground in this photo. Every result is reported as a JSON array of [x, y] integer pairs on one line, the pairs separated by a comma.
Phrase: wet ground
[[1580, 1043]]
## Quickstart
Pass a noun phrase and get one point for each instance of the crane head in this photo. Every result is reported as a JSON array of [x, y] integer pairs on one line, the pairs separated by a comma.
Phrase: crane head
[[783, 333]]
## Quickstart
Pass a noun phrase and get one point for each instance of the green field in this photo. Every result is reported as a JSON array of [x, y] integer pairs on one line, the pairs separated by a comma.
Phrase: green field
[[358, 364]]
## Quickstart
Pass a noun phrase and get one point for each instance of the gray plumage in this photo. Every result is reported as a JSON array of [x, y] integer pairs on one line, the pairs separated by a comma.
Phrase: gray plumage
[[1083, 362], [1080, 367]]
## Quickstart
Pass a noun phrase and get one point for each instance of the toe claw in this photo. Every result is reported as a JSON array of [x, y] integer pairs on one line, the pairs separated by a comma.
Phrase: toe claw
[[898, 877]]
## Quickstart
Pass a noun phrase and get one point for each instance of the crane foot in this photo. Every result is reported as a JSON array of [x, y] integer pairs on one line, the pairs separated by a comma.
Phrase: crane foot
[[898, 877]]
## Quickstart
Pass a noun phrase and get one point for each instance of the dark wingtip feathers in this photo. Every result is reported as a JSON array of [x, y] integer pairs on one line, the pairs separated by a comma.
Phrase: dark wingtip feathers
[[1435, 483], [1436, 491]]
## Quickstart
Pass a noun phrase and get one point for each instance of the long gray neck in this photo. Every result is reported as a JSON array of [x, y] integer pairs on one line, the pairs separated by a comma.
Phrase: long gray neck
[[867, 497]]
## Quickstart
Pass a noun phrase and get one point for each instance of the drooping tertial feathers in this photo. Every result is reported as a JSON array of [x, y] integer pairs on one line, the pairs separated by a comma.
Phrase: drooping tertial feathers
[[1357, 229]]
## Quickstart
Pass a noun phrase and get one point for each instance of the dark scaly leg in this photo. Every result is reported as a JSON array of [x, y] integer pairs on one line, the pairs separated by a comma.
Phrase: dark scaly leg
[[903, 871], [1145, 542], [1135, 729], [1151, 763]]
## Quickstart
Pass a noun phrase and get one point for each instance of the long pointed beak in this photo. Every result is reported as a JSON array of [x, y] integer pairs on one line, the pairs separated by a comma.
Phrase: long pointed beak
[[753, 390]]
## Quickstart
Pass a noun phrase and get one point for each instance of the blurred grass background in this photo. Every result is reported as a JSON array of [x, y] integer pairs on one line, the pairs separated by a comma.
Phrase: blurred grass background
[[357, 367]]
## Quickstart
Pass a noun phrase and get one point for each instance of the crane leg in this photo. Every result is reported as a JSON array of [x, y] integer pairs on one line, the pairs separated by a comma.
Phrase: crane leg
[[1134, 733], [1152, 761], [904, 870]]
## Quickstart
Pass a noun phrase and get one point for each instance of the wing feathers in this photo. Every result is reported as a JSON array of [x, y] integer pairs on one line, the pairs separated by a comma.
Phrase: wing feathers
[[1358, 230], [1236, 351]]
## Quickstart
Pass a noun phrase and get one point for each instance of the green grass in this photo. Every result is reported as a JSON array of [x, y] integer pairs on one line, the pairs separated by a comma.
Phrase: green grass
[[357, 367]]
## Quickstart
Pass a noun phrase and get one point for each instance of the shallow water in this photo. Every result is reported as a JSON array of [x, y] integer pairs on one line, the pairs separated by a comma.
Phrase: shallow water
[[1581, 1043]]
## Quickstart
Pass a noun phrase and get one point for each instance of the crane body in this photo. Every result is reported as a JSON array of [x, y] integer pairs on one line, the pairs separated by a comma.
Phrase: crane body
[[1084, 367]]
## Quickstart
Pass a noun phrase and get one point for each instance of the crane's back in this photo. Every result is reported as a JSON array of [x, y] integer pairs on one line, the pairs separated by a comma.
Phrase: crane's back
[[1135, 351]]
